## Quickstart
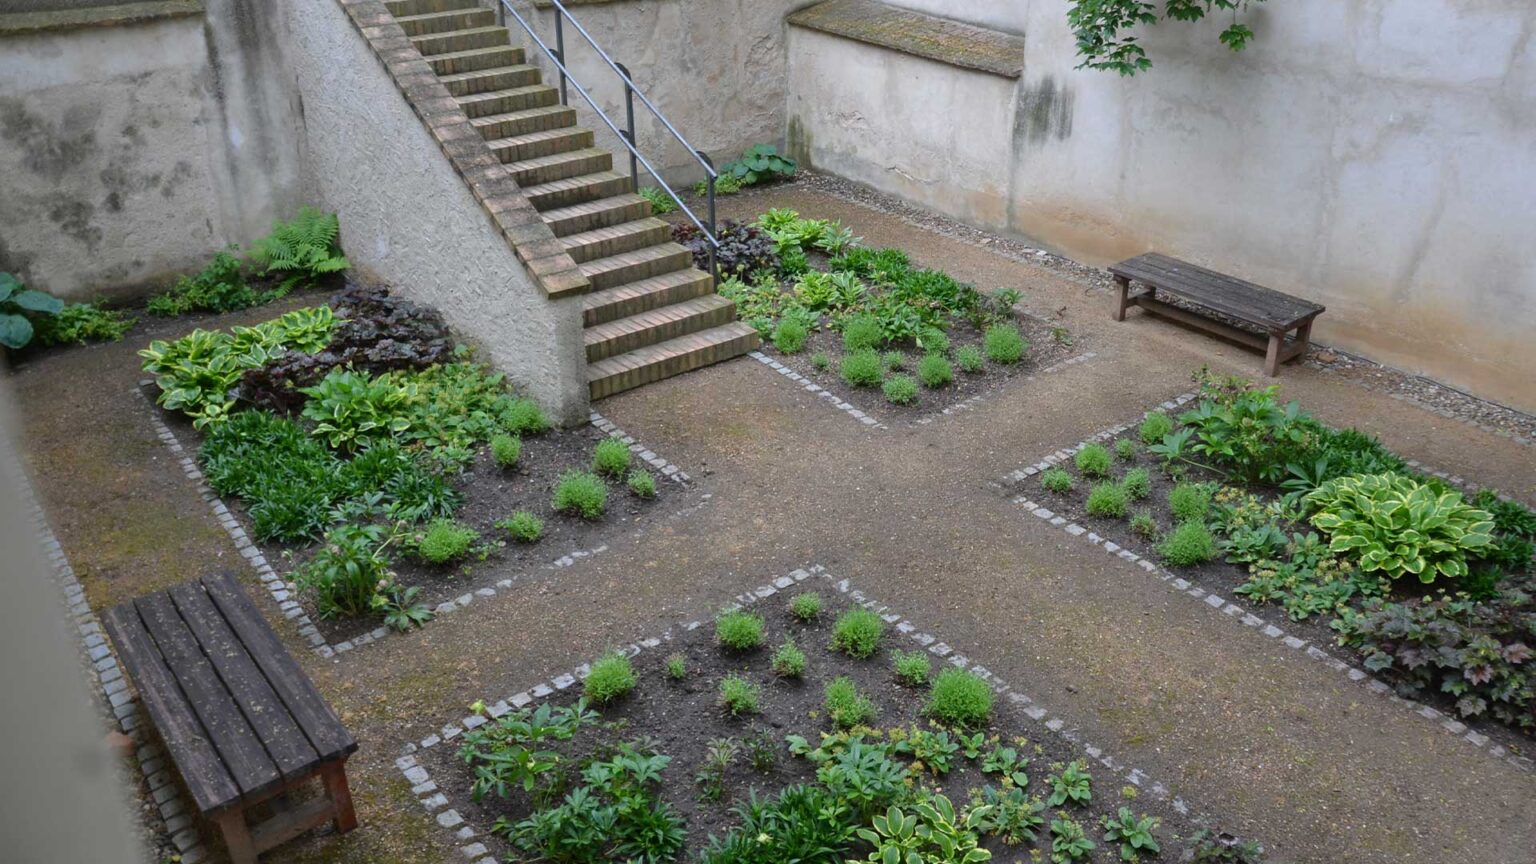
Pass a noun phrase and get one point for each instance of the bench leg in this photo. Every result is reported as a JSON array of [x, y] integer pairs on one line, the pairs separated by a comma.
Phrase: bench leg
[[237, 837], [1272, 356], [1124, 285], [1303, 338], [335, 778]]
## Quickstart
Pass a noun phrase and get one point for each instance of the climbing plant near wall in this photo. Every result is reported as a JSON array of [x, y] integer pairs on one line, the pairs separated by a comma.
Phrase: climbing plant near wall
[[1101, 26]]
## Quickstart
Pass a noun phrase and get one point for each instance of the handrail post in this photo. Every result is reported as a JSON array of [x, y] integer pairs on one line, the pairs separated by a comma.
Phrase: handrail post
[[629, 113], [714, 237], [560, 50]]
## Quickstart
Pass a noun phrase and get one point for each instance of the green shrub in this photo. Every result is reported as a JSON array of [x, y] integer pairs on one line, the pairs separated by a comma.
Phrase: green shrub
[[861, 368], [1125, 449], [738, 695], [912, 667], [862, 332], [1190, 501], [610, 677], [346, 572], [846, 707], [739, 630], [933, 341], [661, 202], [1004, 344], [1188, 544], [1093, 460], [959, 698], [302, 251], [80, 323], [580, 493], [506, 449], [1137, 483], [788, 661], [523, 526], [900, 389], [641, 483], [857, 633], [894, 361], [760, 163], [677, 667], [219, 287], [789, 337], [970, 359], [350, 409], [1396, 525], [611, 457], [1155, 427], [1107, 499], [1056, 480], [806, 606], [25, 313], [1143, 525], [523, 417], [445, 540], [934, 371], [820, 361]]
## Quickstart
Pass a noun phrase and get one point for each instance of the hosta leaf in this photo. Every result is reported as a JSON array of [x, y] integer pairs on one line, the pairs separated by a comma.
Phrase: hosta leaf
[[37, 301], [15, 331]]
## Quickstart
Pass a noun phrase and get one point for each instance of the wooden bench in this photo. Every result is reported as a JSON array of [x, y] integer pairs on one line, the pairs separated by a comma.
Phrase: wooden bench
[[240, 719], [1273, 313]]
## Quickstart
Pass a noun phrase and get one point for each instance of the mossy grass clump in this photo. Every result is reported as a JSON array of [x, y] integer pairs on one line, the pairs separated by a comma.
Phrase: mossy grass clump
[[506, 450], [523, 526], [960, 699], [789, 337], [445, 540], [1125, 449], [1093, 460], [677, 667], [611, 457], [1137, 483], [739, 630], [1056, 480], [739, 696], [610, 677], [1004, 344], [862, 368], [862, 332], [1188, 544], [934, 371], [788, 661], [821, 361], [857, 633], [1190, 501], [846, 707], [806, 606], [970, 359], [641, 483], [1107, 499], [912, 667], [900, 390], [580, 493], [524, 417], [895, 361], [1154, 428]]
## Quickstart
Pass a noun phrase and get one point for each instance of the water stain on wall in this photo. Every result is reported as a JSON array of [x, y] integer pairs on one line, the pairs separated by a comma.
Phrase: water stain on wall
[[1045, 112], [50, 150]]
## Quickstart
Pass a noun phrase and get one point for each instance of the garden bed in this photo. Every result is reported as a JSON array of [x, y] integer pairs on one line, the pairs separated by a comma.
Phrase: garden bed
[[682, 719], [1458, 638]]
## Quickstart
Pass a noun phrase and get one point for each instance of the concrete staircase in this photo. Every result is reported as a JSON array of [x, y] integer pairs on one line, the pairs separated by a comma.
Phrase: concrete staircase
[[651, 314]]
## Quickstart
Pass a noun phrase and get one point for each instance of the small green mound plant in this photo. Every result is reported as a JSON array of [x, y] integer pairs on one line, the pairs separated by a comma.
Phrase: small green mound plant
[[1155, 427], [642, 483], [821, 361], [506, 450], [862, 368], [933, 341], [1143, 525], [806, 606], [1190, 501], [862, 332], [934, 371], [1004, 344], [912, 667], [1125, 449], [894, 361], [610, 677], [523, 526], [739, 630], [857, 633], [445, 540], [846, 707], [739, 696], [677, 667], [970, 359], [789, 337], [1188, 544], [1056, 480], [611, 457], [580, 493], [1137, 483], [661, 202], [523, 417], [1093, 460], [788, 661], [900, 389], [1107, 499], [959, 698]]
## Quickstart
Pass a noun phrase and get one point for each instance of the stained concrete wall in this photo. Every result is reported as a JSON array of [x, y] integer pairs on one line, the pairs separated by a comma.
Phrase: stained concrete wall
[[409, 220], [1378, 156], [134, 152]]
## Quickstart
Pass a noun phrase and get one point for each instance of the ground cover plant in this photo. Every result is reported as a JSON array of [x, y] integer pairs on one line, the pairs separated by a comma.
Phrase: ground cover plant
[[857, 319], [382, 462], [1430, 586], [712, 757]]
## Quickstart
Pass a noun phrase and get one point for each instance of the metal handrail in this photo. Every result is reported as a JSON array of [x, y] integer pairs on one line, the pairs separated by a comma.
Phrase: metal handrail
[[636, 158]]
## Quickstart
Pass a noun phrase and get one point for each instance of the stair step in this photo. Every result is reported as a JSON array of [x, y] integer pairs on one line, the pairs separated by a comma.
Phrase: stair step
[[536, 145], [576, 190], [493, 102], [615, 270], [497, 58], [591, 215], [484, 80], [560, 166], [672, 357], [442, 22], [615, 239], [410, 8], [632, 298], [514, 123], [657, 325], [462, 41]]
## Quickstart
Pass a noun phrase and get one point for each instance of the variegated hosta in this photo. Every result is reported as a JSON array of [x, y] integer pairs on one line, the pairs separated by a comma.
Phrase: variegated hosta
[[1396, 525]]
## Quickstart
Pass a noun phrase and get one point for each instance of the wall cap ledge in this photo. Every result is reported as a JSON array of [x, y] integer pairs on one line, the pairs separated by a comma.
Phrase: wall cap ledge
[[120, 15], [930, 37]]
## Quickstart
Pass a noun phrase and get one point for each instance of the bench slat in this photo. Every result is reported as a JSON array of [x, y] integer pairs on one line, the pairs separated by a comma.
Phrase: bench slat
[[239, 748], [330, 739], [1236, 298], [191, 749], [275, 728]]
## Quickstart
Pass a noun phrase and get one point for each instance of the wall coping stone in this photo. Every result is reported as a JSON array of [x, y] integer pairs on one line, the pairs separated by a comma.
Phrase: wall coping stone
[[546, 4], [120, 15], [944, 40], [488, 179]]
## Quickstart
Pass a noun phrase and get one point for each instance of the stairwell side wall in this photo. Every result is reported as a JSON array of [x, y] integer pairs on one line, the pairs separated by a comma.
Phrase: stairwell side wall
[[409, 220]]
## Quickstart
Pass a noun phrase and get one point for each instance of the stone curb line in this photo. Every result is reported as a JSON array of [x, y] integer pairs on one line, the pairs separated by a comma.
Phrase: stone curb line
[[666, 468], [1232, 610], [1450, 415], [971, 403], [436, 802], [103, 668]]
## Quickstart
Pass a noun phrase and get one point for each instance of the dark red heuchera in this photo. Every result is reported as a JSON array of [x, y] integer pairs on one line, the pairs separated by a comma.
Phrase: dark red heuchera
[[377, 333], [744, 250]]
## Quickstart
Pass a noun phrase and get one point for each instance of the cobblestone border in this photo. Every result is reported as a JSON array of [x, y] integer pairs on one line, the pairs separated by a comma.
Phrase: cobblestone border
[[102, 669], [437, 804], [284, 593], [1468, 421], [971, 403], [1232, 610]]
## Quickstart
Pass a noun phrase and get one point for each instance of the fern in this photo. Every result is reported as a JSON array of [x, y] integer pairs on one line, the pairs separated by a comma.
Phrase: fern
[[304, 249]]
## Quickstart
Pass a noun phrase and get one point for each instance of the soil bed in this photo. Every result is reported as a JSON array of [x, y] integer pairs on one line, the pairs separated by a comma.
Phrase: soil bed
[[682, 717]]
